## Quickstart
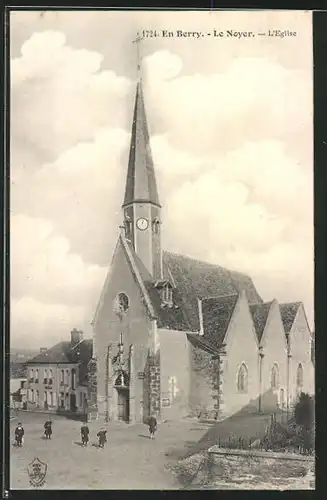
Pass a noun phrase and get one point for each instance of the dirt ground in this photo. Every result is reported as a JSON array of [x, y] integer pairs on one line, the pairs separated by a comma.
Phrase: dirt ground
[[130, 460]]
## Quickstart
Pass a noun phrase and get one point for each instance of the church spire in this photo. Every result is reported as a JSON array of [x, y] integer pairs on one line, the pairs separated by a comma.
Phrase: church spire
[[141, 206], [141, 185]]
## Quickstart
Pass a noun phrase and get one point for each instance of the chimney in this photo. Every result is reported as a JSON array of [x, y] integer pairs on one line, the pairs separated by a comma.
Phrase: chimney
[[43, 350], [76, 336]]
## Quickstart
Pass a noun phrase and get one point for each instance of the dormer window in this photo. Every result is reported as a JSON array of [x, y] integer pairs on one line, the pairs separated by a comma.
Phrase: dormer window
[[166, 293]]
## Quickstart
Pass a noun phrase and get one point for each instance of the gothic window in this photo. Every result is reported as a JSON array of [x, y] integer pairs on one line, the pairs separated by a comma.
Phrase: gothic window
[[299, 377], [36, 375], [242, 379], [62, 377], [275, 377], [31, 374], [122, 303]]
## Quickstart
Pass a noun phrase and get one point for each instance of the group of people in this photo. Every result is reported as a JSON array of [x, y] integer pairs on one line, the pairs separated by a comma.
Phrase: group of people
[[85, 432]]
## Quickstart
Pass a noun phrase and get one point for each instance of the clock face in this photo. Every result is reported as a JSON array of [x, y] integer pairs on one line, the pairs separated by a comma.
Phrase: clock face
[[142, 224]]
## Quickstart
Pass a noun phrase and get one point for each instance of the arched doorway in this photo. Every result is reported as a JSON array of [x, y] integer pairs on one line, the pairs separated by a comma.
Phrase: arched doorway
[[122, 387]]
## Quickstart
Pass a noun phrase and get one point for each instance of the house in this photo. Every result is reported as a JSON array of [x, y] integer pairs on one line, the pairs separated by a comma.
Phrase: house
[[57, 377]]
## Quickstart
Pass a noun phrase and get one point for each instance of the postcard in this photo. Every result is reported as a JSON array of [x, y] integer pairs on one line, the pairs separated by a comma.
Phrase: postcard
[[162, 251]]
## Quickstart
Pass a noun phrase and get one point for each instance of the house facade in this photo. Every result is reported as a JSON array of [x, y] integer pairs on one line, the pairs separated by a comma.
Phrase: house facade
[[57, 377]]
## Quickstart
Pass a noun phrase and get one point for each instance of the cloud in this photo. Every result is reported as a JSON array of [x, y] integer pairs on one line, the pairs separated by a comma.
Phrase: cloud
[[46, 270], [253, 98], [60, 96], [35, 324]]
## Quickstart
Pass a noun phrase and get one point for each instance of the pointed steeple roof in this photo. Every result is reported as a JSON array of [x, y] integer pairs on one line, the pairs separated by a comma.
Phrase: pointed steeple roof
[[141, 183]]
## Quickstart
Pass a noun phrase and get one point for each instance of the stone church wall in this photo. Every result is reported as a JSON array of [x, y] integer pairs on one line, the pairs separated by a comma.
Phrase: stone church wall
[[301, 353], [203, 400], [134, 324], [175, 374], [241, 347], [274, 348]]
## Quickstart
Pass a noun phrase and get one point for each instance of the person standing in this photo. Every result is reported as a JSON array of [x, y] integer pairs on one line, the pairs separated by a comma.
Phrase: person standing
[[48, 429], [85, 431], [102, 437], [152, 426], [19, 435]]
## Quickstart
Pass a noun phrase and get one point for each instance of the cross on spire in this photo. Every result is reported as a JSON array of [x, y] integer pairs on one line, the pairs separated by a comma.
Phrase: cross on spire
[[137, 40]]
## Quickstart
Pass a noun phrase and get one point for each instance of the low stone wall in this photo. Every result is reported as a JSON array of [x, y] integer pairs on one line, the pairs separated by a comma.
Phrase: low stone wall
[[256, 466], [220, 468]]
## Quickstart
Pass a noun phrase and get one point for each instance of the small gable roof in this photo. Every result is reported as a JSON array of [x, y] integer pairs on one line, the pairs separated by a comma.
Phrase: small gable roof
[[259, 313], [288, 312], [217, 313]]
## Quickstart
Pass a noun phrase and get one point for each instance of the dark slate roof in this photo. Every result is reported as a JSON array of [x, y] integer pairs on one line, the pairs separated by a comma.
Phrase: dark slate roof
[[141, 181], [63, 353], [200, 341], [196, 279], [259, 314], [193, 279], [217, 313], [288, 312], [172, 318]]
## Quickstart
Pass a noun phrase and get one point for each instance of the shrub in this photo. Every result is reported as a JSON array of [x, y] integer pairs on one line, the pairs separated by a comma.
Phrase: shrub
[[304, 412]]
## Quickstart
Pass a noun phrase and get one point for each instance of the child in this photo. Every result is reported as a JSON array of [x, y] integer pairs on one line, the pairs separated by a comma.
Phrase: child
[[19, 434], [102, 437], [48, 429], [152, 426], [85, 434]]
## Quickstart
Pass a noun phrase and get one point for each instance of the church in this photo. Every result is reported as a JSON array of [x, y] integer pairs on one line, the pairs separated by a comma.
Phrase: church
[[177, 337]]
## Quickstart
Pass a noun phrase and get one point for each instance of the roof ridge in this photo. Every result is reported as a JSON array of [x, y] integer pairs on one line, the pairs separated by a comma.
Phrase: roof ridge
[[211, 264], [220, 296], [297, 302]]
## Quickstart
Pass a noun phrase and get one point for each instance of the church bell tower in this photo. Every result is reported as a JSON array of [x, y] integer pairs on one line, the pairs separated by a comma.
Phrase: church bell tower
[[141, 207]]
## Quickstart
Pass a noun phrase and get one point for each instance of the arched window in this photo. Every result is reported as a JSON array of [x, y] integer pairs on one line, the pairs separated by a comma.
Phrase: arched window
[[275, 377], [299, 377], [242, 379]]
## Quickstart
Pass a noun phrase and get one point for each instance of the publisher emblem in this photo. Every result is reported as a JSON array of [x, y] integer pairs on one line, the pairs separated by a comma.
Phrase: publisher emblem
[[37, 471]]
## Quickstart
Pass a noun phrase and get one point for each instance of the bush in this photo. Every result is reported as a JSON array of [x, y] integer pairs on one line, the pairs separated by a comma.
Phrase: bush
[[304, 412]]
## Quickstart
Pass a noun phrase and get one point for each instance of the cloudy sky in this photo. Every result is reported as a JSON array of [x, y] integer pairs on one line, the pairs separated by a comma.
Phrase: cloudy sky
[[231, 134]]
